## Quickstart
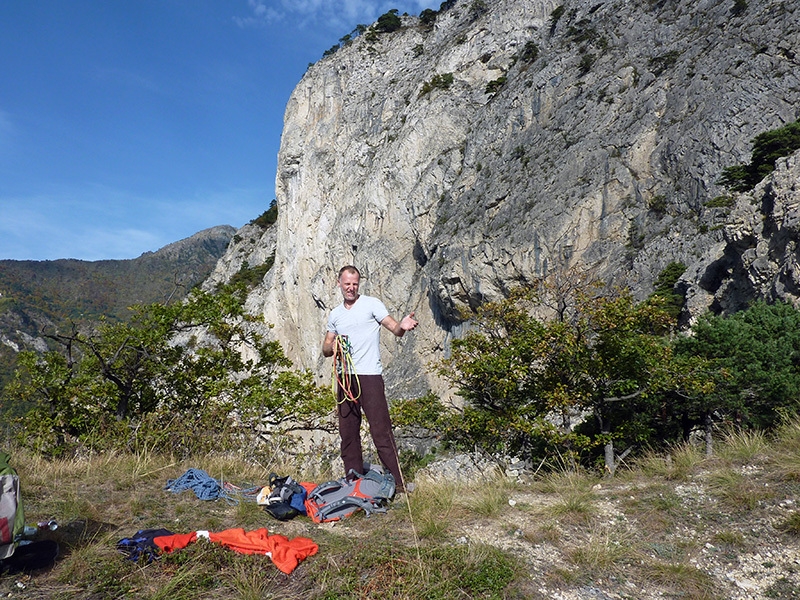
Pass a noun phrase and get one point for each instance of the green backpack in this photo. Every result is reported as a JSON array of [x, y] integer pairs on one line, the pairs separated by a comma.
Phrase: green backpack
[[12, 518]]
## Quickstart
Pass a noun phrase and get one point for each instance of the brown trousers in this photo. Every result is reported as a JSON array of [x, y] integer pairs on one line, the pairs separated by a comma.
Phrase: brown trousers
[[372, 401]]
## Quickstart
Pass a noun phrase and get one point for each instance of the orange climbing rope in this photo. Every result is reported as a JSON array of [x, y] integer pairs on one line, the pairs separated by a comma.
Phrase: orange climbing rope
[[344, 372]]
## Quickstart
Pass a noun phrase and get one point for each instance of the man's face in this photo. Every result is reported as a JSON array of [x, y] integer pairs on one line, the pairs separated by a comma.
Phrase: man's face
[[348, 283]]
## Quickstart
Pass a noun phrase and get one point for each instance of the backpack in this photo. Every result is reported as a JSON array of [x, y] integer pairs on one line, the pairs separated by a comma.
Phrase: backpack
[[12, 517], [340, 498], [283, 498]]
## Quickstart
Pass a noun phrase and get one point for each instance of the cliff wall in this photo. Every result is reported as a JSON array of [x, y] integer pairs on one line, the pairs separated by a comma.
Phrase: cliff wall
[[511, 139]]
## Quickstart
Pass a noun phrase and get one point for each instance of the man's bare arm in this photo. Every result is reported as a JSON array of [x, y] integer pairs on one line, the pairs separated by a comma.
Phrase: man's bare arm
[[407, 323]]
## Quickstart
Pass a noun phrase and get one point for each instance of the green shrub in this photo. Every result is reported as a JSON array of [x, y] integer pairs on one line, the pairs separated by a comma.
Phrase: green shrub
[[739, 8], [557, 13], [658, 204], [767, 148], [585, 65], [659, 64], [442, 81], [268, 217], [720, 202], [388, 22], [428, 17], [582, 32], [249, 276], [494, 86], [530, 52]]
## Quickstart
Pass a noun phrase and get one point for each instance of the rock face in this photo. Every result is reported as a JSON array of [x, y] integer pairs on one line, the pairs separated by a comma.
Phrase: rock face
[[758, 257], [453, 160]]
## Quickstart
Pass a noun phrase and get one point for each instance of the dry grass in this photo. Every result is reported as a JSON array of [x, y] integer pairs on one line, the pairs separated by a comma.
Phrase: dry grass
[[680, 525]]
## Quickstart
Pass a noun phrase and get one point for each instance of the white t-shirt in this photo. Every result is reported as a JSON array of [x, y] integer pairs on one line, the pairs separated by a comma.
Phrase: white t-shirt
[[361, 323]]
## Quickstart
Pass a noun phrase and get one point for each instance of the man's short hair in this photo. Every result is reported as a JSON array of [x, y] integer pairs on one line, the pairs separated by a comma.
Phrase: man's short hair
[[348, 269]]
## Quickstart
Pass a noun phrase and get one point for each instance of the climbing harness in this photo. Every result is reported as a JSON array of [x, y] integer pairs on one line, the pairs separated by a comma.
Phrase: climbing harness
[[344, 372]]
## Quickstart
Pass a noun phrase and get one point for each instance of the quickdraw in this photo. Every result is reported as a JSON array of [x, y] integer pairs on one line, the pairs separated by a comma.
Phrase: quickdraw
[[344, 372]]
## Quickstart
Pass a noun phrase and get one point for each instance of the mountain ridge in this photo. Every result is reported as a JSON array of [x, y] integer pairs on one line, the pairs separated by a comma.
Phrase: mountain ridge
[[39, 295]]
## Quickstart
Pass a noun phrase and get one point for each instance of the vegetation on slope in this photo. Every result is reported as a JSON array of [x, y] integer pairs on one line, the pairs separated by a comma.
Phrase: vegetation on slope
[[768, 147], [605, 376]]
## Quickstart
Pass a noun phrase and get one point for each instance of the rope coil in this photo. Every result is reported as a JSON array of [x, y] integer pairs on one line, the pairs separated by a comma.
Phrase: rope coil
[[344, 371]]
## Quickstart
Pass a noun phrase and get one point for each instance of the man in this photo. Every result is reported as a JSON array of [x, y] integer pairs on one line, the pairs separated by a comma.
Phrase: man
[[353, 336]]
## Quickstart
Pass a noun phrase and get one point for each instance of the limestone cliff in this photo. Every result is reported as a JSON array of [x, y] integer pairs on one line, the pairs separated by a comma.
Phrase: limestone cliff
[[457, 157]]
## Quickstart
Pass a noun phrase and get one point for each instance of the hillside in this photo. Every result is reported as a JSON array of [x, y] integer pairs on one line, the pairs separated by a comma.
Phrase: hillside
[[38, 295]]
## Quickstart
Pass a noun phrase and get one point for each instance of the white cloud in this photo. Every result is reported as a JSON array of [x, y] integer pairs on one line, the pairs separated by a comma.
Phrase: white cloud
[[98, 222], [261, 15]]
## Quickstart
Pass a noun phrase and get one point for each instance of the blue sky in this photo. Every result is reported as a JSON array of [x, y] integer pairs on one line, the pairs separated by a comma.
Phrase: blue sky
[[126, 125]]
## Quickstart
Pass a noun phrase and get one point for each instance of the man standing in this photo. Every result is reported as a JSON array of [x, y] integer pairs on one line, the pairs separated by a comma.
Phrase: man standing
[[354, 337]]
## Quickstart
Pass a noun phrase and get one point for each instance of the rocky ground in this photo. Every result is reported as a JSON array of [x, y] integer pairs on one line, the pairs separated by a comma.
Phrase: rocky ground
[[718, 531]]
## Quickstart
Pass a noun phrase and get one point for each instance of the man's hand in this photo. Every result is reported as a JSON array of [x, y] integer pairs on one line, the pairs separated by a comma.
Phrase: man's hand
[[329, 344], [399, 329], [408, 323]]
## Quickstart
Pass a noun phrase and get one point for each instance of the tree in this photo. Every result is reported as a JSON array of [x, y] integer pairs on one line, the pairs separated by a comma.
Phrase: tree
[[768, 147], [665, 287], [524, 380], [388, 22], [202, 360], [753, 358], [627, 362]]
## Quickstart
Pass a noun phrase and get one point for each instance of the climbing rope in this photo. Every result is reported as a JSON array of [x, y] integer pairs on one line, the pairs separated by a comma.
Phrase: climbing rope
[[206, 487], [344, 372]]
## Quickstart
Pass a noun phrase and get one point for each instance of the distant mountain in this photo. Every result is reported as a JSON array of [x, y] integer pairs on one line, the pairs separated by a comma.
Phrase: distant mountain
[[41, 294]]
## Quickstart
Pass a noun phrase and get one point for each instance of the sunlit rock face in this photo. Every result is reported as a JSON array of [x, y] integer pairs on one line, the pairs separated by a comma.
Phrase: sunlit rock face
[[507, 140]]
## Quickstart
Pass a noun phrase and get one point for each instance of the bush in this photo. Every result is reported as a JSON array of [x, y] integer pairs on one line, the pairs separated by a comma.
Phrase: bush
[[268, 217], [249, 276], [428, 17], [530, 52], [767, 148], [494, 86], [118, 376], [557, 13], [665, 288], [720, 202], [388, 22], [658, 204], [587, 60], [442, 82], [659, 64], [739, 8]]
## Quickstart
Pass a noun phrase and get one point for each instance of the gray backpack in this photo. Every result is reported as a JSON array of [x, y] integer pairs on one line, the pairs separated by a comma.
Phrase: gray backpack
[[12, 519], [340, 498]]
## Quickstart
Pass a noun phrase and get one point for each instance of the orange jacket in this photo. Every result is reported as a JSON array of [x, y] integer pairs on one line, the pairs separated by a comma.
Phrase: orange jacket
[[285, 553]]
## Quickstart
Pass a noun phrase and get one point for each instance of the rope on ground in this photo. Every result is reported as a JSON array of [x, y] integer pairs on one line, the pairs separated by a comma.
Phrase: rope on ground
[[408, 505], [206, 487]]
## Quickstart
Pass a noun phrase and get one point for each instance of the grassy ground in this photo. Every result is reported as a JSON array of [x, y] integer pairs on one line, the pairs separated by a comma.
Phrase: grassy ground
[[667, 526]]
